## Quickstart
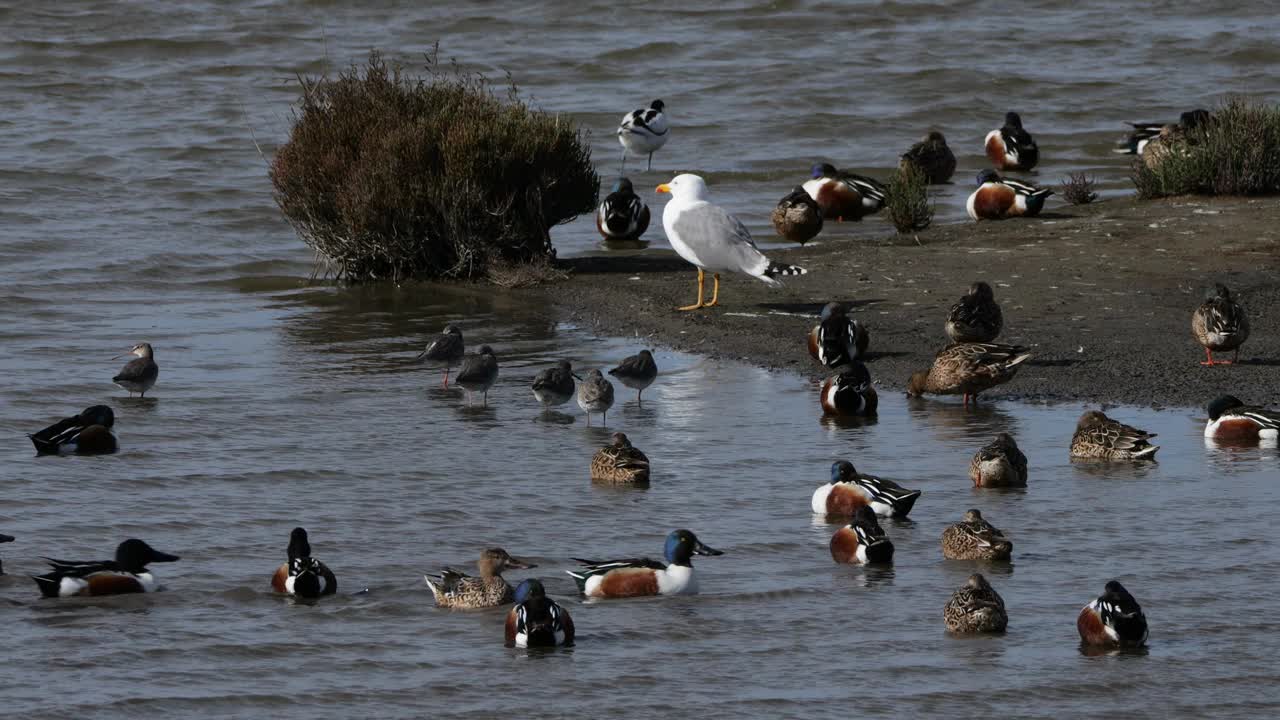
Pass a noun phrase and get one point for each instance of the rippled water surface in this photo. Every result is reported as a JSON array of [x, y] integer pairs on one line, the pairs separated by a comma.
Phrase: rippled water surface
[[135, 207]]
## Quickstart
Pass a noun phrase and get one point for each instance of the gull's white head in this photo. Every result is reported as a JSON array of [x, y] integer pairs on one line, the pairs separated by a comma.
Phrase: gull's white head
[[685, 187]]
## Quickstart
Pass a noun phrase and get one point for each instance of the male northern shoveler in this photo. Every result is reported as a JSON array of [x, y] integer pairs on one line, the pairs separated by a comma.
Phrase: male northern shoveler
[[620, 463], [1159, 136], [999, 464], [536, 620], [140, 373], [850, 490], [1231, 419], [849, 393], [998, 198], [637, 372], [975, 539], [641, 576], [644, 132], [478, 373], [967, 369], [837, 339], [844, 195], [976, 317], [862, 541], [554, 386], [454, 589], [1114, 619], [1220, 324], [301, 574], [5, 539], [128, 573], [931, 156], [1011, 147], [622, 215], [88, 433], [975, 608], [595, 395], [797, 217], [1098, 436], [446, 350]]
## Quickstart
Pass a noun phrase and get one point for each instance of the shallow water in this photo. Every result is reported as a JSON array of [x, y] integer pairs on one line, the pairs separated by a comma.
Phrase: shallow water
[[136, 207]]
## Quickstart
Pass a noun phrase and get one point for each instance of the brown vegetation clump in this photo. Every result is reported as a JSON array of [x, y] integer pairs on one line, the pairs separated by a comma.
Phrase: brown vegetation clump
[[1077, 189], [392, 177], [906, 199], [1235, 152]]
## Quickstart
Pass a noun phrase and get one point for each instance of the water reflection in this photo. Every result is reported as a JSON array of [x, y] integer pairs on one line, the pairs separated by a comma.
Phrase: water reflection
[[955, 421], [1114, 469]]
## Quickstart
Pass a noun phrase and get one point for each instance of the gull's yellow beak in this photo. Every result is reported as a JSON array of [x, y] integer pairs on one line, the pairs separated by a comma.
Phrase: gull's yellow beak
[[664, 188]]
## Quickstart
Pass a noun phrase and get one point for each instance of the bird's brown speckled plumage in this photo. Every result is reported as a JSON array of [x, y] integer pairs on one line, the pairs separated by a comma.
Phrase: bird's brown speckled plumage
[[454, 589], [975, 539], [1098, 436], [968, 369], [975, 608], [932, 156], [999, 464], [1220, 324], [620, 463]]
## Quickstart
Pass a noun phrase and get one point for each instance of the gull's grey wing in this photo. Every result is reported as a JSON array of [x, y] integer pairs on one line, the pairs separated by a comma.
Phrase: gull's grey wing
[[719, 240]]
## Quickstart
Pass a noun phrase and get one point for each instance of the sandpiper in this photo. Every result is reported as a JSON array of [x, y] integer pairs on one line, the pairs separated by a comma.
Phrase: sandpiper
[[140, 373], [595, 394], [637, 372], [554, 386], [478, 373], [445, 350]]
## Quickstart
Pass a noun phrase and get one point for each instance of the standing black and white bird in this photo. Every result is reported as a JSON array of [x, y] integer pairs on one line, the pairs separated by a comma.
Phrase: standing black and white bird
[[446, 350], [554, 386], [1010, 147], [976, 318], [622, 215], [478, 373], [643, 132], [837, 339], [595, 395], [637, 372], [140, 373]]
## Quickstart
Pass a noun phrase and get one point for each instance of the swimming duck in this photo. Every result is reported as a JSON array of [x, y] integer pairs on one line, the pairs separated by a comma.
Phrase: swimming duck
[[837, 339], [595, 395], [1011, 147], [975, 608], [850, 490], [5, 539], [301, 574], [622, 215], [478, 373], [862, 541], [454, 589], [1098, 436], [931, 156], [797, 217], [1114, 619], [446, 350], [1231, 419], [554, 386], [998, 198], [536, 620], [88, 433], [620, 463], [637, 372], [140, 373], [967, 369], [1220, 324], [128, 573], [843, 195], [849, 393], [641, 576], [975, 539], [999, 464], [976, 317], [644, 131]]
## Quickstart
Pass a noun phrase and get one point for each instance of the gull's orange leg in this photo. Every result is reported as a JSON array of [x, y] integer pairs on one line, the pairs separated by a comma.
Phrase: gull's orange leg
[[702, 275], [715, 290]]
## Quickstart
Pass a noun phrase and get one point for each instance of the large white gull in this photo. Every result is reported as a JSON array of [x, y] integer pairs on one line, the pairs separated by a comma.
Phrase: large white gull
[[711, 239]]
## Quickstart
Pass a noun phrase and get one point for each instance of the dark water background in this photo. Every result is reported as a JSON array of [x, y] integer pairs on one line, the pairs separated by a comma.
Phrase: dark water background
[[134, 206]]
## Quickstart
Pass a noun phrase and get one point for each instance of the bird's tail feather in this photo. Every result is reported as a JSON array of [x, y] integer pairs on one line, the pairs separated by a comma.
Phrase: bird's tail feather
[[784, 270]]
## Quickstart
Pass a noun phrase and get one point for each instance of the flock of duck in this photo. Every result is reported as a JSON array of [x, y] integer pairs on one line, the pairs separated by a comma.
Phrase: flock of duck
[[715, 241]]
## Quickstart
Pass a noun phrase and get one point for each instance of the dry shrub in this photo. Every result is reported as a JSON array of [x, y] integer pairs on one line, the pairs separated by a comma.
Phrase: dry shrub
[[1235, 153], [519, 275], [906, 199], [392, 177], [1077, 189]]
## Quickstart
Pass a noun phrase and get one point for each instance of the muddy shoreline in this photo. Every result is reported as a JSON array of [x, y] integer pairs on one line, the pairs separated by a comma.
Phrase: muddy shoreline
[[1102, 294]]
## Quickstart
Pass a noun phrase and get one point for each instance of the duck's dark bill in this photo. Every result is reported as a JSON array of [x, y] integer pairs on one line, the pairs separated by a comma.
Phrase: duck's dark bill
[[518, 564], [157, 556], [701, 549]]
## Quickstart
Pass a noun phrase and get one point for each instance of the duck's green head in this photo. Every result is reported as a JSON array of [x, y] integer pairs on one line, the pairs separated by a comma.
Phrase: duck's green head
[[682, 545]]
